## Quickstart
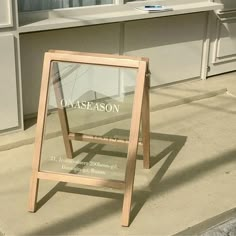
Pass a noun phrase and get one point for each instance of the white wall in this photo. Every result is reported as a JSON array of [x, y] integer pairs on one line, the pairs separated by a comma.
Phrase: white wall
[[100, 38], [173, 44], [222, 56], [8, 89]]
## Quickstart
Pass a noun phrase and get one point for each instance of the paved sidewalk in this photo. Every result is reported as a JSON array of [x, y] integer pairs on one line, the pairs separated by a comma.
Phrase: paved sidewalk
[[192, 179]]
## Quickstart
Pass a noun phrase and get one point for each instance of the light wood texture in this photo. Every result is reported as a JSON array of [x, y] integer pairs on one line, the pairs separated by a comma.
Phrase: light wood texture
[[89, 181], [132, 149], [146, 123], [100, 55], [42, 112], [140, 108], [99, 139], [61, 110], [96, 59]]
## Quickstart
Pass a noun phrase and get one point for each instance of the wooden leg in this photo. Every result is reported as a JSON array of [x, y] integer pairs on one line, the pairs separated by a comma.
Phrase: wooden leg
[[133, 145], [146, 126], [61, 110], [129, 182], [42, 112], [34, 184]]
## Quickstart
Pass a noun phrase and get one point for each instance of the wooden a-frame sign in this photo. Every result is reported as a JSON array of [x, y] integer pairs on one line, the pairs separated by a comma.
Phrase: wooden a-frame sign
[[140, 113]]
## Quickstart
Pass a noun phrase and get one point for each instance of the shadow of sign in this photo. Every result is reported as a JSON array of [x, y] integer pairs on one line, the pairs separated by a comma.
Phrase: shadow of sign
[[163, 147]]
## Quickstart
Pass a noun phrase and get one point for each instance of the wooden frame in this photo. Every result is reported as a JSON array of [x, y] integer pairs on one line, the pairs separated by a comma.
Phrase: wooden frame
[[140, 112]]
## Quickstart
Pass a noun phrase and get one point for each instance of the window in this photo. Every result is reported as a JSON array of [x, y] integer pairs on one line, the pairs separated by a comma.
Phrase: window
[[36, 5], [125, 1]]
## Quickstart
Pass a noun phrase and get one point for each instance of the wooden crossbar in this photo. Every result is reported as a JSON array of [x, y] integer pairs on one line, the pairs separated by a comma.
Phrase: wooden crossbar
[[100, 55], [99, 139], [96, 60], [89, 181]]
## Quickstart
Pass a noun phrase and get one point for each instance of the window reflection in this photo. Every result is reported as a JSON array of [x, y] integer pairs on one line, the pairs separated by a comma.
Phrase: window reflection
[[36, 5]]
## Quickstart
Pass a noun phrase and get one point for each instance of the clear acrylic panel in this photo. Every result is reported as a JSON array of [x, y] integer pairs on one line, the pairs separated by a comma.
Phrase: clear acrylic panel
[[97, 101]]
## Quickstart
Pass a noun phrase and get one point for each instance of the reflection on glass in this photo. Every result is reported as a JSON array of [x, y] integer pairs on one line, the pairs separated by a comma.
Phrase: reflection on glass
[[125, 1], [37, 5], [97, 102]]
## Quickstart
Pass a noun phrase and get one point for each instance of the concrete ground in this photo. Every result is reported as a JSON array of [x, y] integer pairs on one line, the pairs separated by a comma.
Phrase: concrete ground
[[189, 189]]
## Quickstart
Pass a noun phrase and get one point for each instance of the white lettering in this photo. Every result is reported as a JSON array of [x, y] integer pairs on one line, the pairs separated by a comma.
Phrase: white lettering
[[116, 108], [63, 103], [90, 106], [108, 107], [102, 106], [83, 105]]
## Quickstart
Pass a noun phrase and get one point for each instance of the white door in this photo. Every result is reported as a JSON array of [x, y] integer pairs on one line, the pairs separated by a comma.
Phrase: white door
[[5, 13], [223, 39], [8, 88]]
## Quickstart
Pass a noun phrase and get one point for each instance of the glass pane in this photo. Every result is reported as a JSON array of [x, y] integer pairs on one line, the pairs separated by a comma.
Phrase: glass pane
[[98, 103], [125, 1], [36, 5]]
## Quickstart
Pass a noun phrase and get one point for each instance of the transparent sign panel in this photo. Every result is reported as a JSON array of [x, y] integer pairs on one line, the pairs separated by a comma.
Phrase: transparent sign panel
[[96, 102]]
